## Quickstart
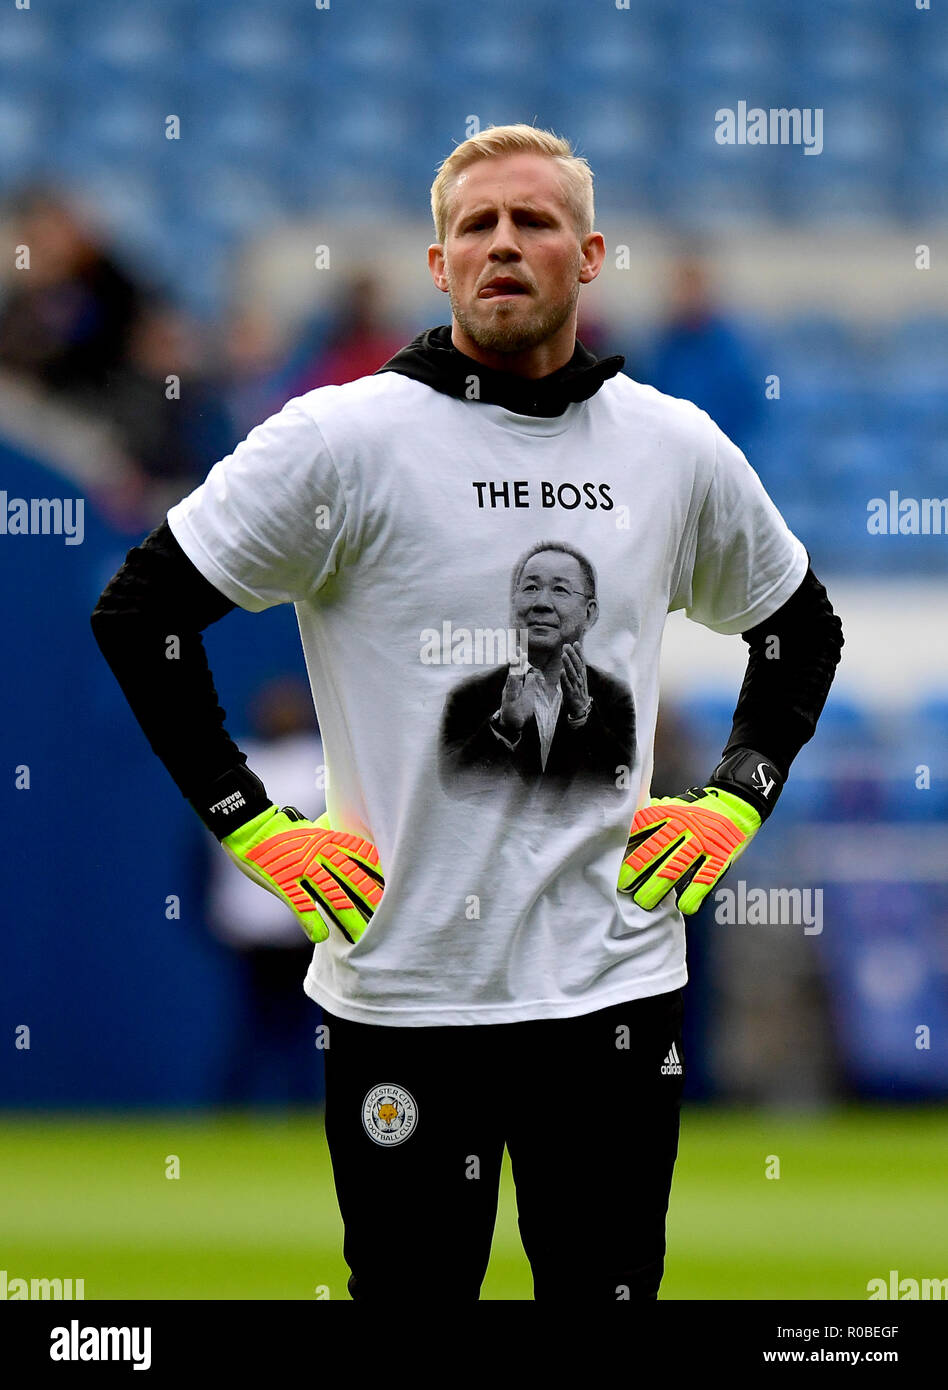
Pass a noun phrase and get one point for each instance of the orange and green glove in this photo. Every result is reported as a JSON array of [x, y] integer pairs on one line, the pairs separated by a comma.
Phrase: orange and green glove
[[326, 877], [323, 875], [688, 842]]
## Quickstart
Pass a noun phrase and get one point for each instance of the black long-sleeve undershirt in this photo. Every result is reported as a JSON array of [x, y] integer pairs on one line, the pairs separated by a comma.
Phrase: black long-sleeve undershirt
[[158, 594], [792, 658], [155, 595]]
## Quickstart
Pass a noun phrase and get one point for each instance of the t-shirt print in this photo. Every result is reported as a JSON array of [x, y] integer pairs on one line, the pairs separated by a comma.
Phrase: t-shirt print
[[548, 718]]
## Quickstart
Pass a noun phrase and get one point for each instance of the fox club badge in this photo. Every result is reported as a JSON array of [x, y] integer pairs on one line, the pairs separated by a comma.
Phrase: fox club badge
[[389, 1114]]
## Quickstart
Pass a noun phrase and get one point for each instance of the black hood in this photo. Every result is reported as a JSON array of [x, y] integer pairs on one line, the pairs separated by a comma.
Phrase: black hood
[[433, 359]]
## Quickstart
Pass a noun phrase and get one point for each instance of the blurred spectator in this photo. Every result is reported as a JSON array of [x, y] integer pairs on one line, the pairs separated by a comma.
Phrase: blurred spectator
[[701, 356], [273, 1052], [174, 429], [357, 340], [65, 321], [600, 341], [255, 369]]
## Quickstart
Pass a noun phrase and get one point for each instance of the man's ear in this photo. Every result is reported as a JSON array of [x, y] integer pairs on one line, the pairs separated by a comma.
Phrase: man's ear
[[593, 255], [436, 266], [592, 611]]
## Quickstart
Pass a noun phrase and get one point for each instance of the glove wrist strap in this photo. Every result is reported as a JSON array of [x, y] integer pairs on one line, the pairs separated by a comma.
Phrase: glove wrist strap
[[234, 798], [749, 775]]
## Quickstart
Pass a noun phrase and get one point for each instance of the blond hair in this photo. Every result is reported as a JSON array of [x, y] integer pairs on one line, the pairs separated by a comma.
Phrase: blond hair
[[575, 174]]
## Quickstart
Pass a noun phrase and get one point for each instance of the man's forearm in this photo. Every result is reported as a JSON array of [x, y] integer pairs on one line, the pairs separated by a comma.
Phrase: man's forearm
[[792, 660], [156, 596]]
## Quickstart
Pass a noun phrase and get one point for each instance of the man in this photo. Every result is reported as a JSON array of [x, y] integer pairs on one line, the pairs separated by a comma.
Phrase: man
[[551, 719], [518, 980]]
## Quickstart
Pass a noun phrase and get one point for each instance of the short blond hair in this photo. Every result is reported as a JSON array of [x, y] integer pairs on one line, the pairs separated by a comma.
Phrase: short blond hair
[[576, 175]]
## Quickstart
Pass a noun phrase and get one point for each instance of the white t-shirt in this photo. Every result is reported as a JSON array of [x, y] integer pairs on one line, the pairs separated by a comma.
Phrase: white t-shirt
[[393, 515]]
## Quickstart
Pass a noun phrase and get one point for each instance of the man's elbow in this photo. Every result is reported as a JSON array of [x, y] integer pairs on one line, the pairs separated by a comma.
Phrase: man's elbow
[[827, 625]]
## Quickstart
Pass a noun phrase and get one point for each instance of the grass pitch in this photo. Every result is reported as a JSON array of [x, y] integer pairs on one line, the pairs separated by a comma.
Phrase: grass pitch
[[253, 1214]]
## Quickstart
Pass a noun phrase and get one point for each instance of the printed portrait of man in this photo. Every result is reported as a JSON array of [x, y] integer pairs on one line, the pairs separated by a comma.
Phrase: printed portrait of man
[[554, 718]]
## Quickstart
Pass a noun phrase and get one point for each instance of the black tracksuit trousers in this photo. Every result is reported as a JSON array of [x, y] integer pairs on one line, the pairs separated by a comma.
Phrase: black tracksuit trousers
[[588, 1107]]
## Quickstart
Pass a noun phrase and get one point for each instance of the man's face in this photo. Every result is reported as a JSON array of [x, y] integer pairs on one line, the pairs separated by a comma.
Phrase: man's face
[[550, 602], [508, 219]]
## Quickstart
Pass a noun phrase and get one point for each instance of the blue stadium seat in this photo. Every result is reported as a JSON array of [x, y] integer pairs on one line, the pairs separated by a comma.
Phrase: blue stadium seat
[[132, 38], [818, 360], [231, 198], [624, 141], [130, 117], [852, 460], [628, 47], [933, 710], [929, 452], [925, 739], [802, 799], [781, 453], [32, 46], [713, 195], [390, 44], [857, 130], [821, 189], [906, 802], [850, 52], [923, 189], [24, 136], [252, 38], [846, 725], [372, 134], [916, 339], [927, 50], [482, 45], [884, 972], [708, 715], [917, 353], [720, 46], [816, 335], [692, 114], [494, 101], [249, 126]]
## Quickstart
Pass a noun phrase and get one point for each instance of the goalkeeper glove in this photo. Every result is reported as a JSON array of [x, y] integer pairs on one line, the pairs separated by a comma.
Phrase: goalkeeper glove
[[687, 842], [323, 875]]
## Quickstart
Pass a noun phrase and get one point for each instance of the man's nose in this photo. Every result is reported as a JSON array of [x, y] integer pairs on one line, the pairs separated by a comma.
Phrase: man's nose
[[505, 244]]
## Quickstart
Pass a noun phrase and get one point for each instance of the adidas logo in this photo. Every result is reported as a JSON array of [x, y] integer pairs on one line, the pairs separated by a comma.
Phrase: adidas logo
[[672, 1063]]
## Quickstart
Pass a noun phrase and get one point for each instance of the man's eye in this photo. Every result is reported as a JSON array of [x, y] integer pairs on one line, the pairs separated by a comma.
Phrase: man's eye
[[560, 590], [529, 588]]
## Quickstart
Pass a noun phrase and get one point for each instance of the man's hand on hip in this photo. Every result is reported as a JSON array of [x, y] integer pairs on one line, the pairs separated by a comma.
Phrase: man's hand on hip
[[320, 873], [688, 842]]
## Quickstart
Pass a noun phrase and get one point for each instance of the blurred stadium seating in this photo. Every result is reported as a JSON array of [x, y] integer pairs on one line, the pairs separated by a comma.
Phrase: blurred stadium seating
[[289, 112]]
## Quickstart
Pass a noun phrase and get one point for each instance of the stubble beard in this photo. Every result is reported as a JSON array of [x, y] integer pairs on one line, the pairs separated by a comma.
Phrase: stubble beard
[[514, 331]]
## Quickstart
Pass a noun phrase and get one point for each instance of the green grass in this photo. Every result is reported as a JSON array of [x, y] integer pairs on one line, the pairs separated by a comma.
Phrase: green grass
[[254, 1215]]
